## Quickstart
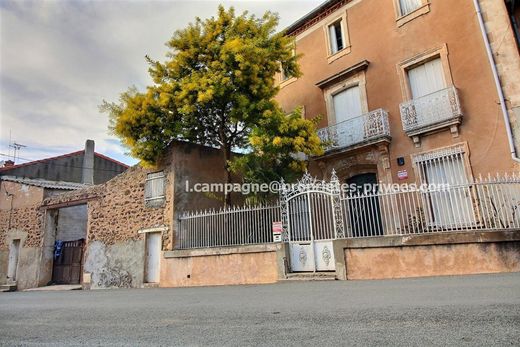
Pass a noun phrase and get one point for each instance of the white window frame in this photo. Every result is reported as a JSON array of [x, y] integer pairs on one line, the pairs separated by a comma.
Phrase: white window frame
[[342, 19], [402, 19], [419, 59], [155, 200]]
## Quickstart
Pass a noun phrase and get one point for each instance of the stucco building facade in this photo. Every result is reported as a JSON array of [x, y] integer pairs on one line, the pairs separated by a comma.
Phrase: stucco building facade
[[405, 89]]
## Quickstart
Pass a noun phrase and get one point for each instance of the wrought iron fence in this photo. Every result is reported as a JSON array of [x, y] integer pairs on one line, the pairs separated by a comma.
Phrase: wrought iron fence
[[245, 225], [491, 203], [367, 127], [431, 109]]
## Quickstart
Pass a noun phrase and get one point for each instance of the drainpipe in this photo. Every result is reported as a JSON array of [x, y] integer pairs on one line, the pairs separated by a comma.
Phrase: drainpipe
[[497, 81]]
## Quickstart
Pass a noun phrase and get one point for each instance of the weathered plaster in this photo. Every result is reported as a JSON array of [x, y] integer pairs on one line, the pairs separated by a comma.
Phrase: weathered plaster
[[119, 265], [224, 266]]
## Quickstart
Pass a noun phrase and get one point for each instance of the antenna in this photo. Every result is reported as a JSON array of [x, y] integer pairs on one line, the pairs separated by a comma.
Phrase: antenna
[[17, 147]]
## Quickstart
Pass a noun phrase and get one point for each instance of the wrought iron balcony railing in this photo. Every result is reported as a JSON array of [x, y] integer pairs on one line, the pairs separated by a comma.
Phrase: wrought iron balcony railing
[[363, 129], [431, 111]]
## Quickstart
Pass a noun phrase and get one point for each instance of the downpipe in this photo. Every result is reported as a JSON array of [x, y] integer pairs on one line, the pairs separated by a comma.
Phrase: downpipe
[[497, 82]]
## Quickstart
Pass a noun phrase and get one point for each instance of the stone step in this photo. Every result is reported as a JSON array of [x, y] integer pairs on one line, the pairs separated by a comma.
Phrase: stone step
[[311, 276], [10, 287]]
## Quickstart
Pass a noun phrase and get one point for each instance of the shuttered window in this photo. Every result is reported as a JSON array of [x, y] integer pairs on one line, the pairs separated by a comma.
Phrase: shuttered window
[[426, 78], [154, 189]]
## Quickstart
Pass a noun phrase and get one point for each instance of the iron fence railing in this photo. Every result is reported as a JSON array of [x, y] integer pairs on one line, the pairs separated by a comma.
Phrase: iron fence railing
[[245, 225], [489, 203]]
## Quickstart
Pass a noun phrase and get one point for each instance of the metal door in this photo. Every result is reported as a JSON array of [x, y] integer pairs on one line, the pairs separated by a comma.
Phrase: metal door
[[313, 220], [67, 263], [153, 251]]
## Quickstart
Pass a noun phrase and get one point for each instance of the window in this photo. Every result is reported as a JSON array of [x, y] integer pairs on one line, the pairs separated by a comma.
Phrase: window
[[285, 75], [347, 109], [449, 197], [408, 6], [347, 104], [154, 189], [336, 37], [426, 78]]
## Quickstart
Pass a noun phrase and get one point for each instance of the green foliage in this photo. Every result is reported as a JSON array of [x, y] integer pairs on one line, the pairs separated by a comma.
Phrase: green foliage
[[279, 148], [215, 88]]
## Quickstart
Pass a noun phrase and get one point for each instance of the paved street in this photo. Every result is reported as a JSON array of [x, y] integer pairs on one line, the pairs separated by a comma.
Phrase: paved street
[[469, 310]]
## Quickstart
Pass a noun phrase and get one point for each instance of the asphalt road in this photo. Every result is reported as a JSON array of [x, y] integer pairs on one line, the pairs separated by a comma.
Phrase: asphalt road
[[467, 310]]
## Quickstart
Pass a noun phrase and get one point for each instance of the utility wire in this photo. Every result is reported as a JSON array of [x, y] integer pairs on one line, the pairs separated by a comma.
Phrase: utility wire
[[70, 166]]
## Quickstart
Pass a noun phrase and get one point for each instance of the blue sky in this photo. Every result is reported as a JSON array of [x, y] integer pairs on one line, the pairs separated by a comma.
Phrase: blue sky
[[60, 59]]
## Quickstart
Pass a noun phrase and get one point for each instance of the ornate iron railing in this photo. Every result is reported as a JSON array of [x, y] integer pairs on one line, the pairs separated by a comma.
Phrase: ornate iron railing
[[488, 203], [429, 110], [367, 127]]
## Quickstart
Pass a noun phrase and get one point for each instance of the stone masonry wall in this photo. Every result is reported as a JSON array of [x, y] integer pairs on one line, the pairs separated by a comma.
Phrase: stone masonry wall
[[24, 212], [28, 219], [116, 209], [505, 52]]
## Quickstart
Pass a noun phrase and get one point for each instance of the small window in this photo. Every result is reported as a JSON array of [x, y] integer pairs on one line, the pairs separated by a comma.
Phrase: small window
[[336, 37], [285, 74], [408, 6], [154, 189]]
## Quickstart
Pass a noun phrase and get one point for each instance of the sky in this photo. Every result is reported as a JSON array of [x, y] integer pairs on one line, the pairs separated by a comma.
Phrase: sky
[[60, 59]]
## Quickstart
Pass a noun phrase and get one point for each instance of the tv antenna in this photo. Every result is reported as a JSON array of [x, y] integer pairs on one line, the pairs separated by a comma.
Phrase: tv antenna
[[16, 147]]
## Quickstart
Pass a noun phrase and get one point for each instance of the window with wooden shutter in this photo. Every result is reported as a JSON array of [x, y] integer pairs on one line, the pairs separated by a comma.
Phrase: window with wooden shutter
[[154, 189]]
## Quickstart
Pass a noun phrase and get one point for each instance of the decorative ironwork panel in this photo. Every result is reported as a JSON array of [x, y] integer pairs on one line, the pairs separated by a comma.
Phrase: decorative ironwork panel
[[438, 107], [354, 131]]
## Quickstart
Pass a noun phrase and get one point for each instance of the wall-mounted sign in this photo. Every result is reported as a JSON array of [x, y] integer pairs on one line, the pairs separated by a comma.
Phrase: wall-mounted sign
[[402, 174], [277, 231]]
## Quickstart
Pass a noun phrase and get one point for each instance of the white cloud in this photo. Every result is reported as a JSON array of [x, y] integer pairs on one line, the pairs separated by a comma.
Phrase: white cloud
[[60, 59]]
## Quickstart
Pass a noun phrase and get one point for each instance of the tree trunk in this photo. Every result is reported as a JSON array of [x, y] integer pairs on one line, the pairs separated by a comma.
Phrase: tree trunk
[[227, 157]]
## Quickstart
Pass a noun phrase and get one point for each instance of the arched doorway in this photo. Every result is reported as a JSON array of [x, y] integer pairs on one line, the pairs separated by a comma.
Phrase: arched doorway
[[364, 213]]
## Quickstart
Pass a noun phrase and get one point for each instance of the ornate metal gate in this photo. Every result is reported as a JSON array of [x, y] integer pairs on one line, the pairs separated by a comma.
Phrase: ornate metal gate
[[311, 220]]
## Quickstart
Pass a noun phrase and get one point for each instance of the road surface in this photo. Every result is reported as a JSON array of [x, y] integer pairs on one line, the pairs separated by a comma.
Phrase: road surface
[[464, 310]]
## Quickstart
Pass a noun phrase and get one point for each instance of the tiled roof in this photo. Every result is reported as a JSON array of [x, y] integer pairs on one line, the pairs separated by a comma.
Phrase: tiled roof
[[99, 155], [37, 182]]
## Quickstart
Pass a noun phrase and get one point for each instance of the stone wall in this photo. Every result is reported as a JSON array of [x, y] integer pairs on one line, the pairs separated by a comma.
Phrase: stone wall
[[505, 52], [29, 219], [21, 218]]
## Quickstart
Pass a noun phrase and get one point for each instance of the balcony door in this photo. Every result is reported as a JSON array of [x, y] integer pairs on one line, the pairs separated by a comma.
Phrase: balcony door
[[347, 109], [427, 78]]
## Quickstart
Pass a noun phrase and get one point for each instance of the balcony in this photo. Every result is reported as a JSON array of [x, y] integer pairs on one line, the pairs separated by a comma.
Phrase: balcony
[[431, 112], [359, 131]]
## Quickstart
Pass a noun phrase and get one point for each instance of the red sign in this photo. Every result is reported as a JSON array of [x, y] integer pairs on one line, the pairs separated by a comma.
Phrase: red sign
[[277, 227], [402, 174]]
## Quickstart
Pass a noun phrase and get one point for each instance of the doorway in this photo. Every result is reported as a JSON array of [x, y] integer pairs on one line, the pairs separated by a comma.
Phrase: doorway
[[365, 213], [153, 257], [14, 254], [67, 262]]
